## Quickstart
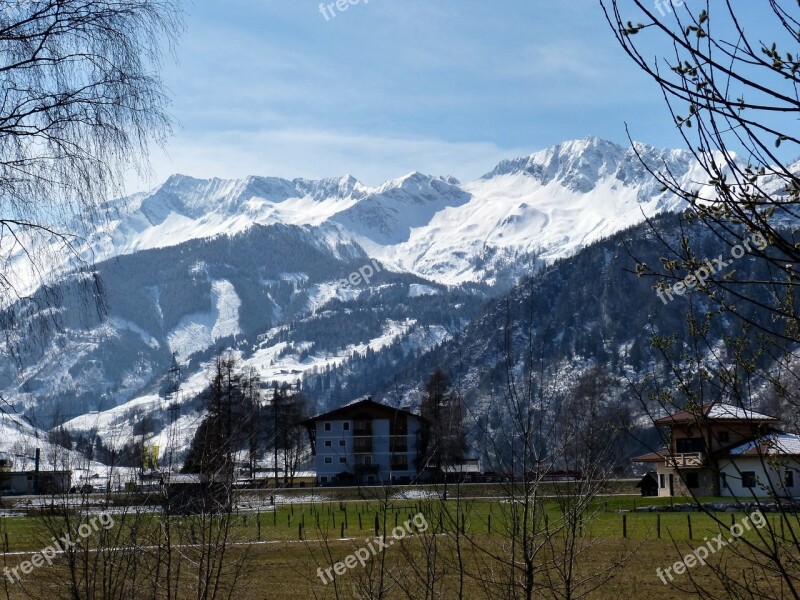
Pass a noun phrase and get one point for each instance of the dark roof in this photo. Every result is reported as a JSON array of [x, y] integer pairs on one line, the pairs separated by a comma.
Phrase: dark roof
[[352, 408], [717, 412]]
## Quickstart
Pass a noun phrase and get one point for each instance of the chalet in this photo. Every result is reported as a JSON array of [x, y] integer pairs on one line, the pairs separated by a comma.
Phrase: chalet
[[365, 443], [723, 450]]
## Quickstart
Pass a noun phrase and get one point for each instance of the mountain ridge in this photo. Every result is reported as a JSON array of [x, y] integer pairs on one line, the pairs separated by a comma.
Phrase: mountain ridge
[[551, 202]]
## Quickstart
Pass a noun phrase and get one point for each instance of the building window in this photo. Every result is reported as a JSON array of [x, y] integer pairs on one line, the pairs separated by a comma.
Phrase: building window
[[327, 443], [400, 462], [692, 480], [327, 425], [346, 426], [342, 443], [342, 459], [788, 478], [749, 479], [723, 478], [361, 445], [723, 437], [328, 460], [689, 445], [399, 425], [662, 481], [362, 427]]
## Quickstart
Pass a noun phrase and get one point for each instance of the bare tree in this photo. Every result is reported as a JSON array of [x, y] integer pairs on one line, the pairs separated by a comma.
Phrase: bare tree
[[733, 95], [81, 103]]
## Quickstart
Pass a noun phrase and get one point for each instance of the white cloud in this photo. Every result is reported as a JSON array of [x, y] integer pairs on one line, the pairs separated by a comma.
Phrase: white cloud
[[315, 153]]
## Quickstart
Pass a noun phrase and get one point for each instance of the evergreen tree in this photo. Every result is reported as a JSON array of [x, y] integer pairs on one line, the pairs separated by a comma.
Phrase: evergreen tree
[[444, 440]]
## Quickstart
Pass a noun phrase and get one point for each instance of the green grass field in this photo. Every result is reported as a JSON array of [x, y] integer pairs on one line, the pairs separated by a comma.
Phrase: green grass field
[[286, 546]]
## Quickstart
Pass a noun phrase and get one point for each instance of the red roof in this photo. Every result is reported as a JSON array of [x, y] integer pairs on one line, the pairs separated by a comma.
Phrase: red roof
[[651, 457]]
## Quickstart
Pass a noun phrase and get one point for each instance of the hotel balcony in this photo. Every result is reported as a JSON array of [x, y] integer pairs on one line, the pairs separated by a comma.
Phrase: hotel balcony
[[362, 445]]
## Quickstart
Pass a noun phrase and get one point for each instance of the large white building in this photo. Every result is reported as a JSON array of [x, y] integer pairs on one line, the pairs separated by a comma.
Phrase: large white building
[[365, 443]]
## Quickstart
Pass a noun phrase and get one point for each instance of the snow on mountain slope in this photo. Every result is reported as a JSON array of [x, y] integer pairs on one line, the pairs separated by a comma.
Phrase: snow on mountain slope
[[19, 441], [184, 208], [116, 426], [198, 331], [552, 202], [544, 206], [388, 215]]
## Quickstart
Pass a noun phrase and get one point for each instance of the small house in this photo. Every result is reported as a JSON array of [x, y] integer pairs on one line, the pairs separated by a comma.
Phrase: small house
[[724, 450]]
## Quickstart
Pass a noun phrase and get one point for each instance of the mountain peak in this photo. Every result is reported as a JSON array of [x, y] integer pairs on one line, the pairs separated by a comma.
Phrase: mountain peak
[[579, 165]]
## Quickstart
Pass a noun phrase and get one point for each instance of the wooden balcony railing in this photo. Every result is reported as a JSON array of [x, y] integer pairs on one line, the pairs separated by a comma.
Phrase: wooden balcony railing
[[686, 460]]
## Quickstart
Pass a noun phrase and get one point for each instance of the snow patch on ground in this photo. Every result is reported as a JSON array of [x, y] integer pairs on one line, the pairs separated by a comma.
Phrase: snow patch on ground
[[416, 495], [415, 290]]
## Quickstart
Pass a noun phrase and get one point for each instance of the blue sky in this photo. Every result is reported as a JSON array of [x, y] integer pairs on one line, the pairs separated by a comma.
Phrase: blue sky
[[270, 87]]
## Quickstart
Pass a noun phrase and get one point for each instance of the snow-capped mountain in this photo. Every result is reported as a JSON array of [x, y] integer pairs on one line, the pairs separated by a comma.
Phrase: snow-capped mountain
[[550, 203], [255, 265]]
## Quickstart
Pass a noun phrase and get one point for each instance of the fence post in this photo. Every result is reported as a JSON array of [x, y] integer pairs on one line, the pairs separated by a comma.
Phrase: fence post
[[658, 524], [689, 521], [624, 526]]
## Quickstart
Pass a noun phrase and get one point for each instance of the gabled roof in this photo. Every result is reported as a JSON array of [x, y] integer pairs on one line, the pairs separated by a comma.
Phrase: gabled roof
[[774, 444], [717, 412], [351, 408], [658, 456]]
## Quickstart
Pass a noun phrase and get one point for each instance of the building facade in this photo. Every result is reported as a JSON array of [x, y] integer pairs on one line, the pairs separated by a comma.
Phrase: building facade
[[723, 450], [365, 443]]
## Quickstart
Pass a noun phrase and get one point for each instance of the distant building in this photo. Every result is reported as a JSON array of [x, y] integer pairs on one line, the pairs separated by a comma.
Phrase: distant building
[[194, 493], [264, 477], [468, 471], [724, 450], [21, 483], [365, 443]]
